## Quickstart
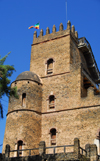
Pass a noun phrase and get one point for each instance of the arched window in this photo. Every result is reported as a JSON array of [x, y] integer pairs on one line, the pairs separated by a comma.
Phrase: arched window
[[19, 147], [53, 136], [51, 101], [24, 99], [50, 66]]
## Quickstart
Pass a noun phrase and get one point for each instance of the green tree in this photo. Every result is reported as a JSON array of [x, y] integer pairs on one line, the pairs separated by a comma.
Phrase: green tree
[[5, 89]]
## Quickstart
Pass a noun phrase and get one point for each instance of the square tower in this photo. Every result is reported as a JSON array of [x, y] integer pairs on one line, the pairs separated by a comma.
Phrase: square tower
[[69, 76]]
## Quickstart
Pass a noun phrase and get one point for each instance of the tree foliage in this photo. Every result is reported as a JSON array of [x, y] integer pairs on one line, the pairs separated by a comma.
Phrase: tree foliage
[[5, 89]]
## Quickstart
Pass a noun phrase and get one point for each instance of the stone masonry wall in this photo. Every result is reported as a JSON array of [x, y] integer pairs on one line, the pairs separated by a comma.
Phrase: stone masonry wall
[[67, 92], [25, 126], [33, 96], [82, 123], [55, 49], [24, 122], [77, 117], [73, 116]]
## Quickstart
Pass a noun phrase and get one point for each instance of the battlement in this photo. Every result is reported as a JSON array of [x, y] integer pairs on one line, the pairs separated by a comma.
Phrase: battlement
[[55, 35]]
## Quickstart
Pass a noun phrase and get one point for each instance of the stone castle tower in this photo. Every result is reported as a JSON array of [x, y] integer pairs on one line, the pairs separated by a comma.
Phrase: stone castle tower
[[59, 98]]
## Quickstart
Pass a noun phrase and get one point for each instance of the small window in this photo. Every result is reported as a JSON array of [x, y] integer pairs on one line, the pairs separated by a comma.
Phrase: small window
[[50, 66], [24, 99], [51, 101], [19, 147], [53, 136]]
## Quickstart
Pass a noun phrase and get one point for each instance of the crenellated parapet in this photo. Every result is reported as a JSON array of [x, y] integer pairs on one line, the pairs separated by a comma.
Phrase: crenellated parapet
[[54, 29], [61, 27], [47, 31], [55, 34]]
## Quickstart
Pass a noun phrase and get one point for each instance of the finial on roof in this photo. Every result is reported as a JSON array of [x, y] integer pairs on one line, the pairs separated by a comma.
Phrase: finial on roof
[[35, 34], [61, 27], [41, 32], [54, 29], [47, 31], [68, 25], [73, 29], [76, 34]]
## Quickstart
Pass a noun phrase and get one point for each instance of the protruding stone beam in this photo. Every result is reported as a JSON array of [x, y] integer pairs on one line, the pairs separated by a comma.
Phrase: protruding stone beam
[[47, 31], [41, 33], [61, 27], [68, 25], [35, 34], [54, 29]]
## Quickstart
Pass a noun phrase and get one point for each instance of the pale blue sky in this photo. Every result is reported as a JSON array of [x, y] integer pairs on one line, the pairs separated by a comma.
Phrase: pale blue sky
[[17, 15]]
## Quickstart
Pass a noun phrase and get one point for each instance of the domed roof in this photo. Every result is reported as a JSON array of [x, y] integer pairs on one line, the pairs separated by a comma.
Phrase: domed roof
[[27, 75]]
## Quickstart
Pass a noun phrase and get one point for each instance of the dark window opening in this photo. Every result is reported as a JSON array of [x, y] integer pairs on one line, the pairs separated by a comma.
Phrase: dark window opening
[[53, 136], [24, 99], [50, 66], [19, 147], [52, 101]]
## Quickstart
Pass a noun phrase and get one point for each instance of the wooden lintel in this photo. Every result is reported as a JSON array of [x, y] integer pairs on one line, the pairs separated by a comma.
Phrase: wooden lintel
[[87, 82], [85, 78]]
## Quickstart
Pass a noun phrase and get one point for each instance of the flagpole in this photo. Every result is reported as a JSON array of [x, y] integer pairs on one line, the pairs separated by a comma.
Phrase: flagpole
[[39, 26], [39, 29]]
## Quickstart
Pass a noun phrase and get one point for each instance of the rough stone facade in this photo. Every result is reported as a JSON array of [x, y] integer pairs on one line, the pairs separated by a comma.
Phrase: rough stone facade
[[24, 121], [72, 82]]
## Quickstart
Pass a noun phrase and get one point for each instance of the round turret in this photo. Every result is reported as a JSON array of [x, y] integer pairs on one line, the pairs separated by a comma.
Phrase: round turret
[[23, 124], [27, 75]]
